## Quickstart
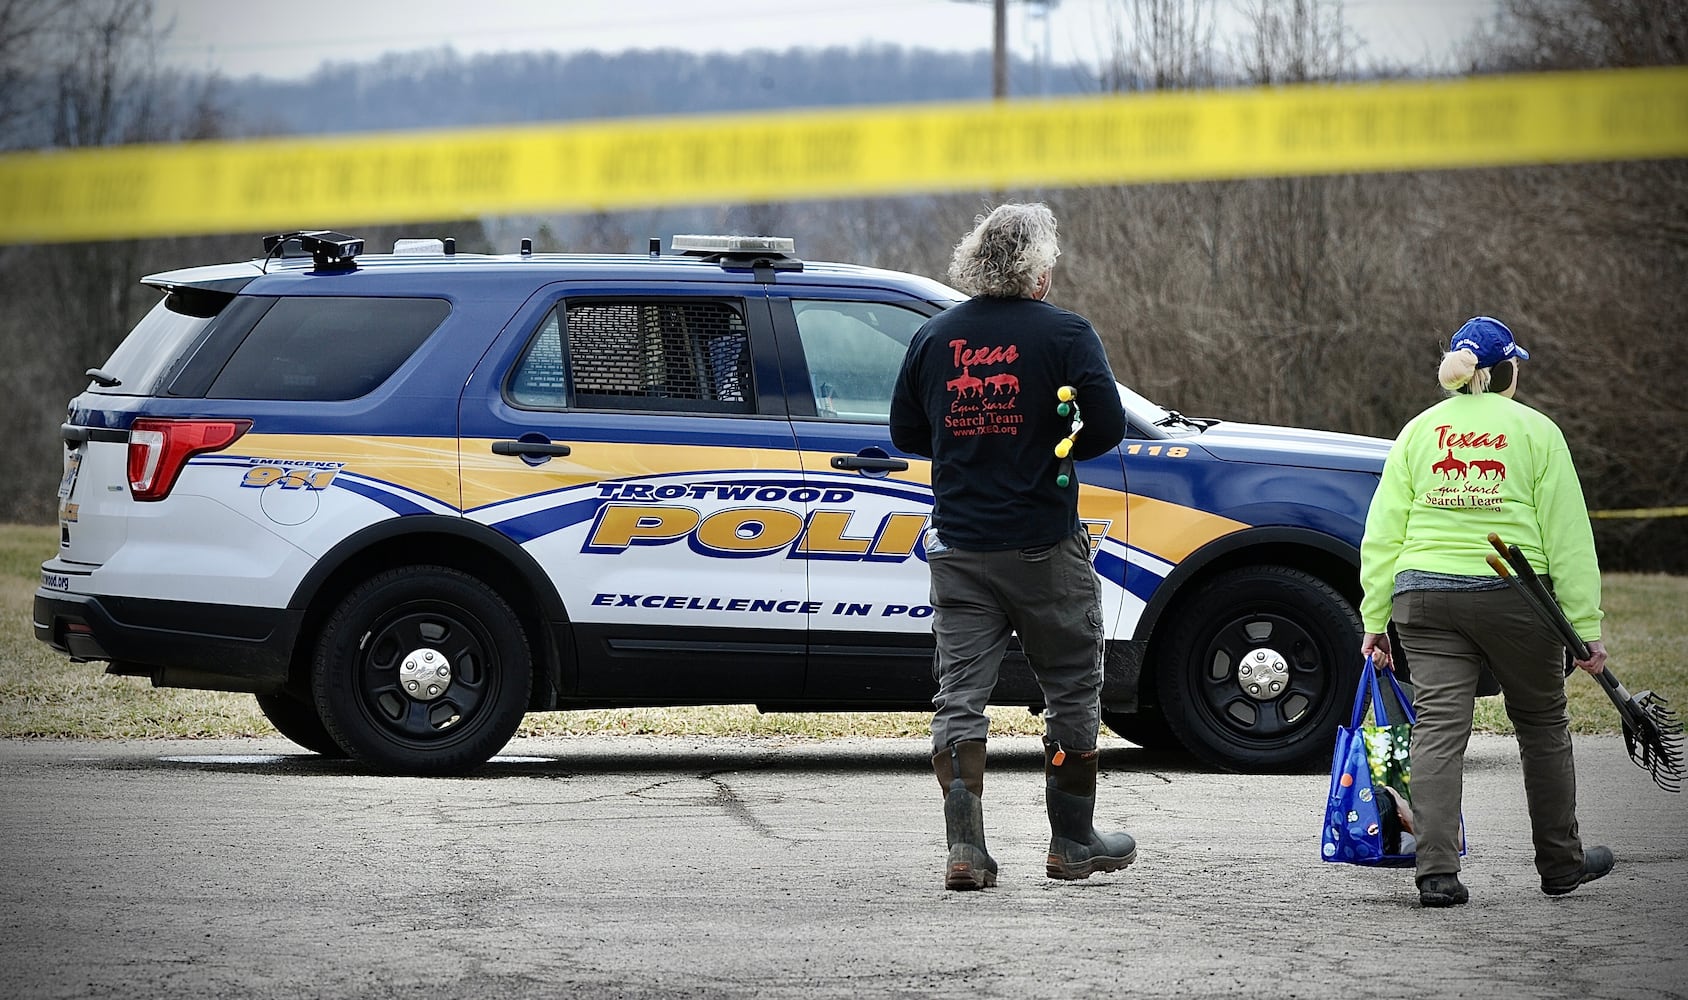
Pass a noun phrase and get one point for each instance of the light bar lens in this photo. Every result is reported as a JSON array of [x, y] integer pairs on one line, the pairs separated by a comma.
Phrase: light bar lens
[[733, 244]]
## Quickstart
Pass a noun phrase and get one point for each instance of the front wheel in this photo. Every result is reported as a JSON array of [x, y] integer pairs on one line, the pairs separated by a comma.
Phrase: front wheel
[[1262, 666], [423, 670]]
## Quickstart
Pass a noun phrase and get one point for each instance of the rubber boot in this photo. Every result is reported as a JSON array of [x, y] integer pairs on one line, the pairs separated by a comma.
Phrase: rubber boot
[[960, 770], [1076, 849]]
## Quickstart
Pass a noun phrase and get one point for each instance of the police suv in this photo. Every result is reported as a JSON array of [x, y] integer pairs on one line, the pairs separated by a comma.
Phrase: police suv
[[404, 499]]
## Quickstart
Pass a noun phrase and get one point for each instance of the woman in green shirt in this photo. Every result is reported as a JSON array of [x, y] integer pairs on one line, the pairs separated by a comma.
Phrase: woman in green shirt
[[1475, 463]]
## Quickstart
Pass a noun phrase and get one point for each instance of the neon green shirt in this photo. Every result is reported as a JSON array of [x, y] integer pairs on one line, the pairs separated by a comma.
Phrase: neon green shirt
[[1468, 466]]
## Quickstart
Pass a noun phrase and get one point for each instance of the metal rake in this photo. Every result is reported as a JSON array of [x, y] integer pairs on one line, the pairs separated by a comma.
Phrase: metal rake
[[1652, 731]]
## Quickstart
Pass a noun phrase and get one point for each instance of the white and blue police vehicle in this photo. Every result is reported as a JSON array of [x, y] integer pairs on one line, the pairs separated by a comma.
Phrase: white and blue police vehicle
[[406, 498]]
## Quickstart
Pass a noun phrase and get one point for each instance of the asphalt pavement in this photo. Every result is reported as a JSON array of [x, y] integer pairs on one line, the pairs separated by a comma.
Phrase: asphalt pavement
[[623, 866]]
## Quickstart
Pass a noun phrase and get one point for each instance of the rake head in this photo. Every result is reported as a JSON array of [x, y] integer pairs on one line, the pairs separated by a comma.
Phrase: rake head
[[1653, 737]]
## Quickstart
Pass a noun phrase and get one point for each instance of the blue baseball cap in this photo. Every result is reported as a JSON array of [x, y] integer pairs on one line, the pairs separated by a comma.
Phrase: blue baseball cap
[[1489, 339]]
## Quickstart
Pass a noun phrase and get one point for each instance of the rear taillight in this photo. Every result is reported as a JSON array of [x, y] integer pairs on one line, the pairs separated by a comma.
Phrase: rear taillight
[[159, 448]]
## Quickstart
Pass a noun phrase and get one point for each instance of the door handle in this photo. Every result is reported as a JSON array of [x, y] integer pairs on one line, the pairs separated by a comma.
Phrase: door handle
[[534, 448], [866, 463]]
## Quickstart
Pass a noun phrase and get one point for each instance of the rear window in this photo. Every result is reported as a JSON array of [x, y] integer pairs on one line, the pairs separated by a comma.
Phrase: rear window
[[327, 348], [150, 351]]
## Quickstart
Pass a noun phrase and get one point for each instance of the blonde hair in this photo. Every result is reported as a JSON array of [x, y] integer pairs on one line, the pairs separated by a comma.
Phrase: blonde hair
[[1459, 373], [1007, 252]]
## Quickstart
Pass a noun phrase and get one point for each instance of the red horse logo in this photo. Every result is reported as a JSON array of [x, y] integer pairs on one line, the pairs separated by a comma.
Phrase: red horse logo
[[966, 385], [1448, 466], [1484, 466], [1003, 383]]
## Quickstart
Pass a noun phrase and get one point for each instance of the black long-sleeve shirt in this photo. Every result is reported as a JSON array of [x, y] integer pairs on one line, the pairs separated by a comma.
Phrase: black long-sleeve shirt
[[976, 394]]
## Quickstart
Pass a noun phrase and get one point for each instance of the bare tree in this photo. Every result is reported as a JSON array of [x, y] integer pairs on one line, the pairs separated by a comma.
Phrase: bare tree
[[1579, 34], [1295, 41], [1160, 45], [23, 26], [87, 75]]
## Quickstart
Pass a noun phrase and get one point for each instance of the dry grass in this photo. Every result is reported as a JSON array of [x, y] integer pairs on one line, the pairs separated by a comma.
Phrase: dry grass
[[44, 695], [1645, 633]]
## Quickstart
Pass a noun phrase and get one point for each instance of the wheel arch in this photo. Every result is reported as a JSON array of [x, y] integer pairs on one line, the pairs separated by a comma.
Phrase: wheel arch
[[1330, 559], [455, 543]]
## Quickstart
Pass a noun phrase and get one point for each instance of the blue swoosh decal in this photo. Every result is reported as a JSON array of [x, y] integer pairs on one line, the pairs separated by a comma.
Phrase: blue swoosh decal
[[527, 527], [397, 505]]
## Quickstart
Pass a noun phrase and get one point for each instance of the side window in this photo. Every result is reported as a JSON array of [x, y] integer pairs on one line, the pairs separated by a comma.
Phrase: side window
[[326, 348], [541, 378], [638, 355], [854, 350]]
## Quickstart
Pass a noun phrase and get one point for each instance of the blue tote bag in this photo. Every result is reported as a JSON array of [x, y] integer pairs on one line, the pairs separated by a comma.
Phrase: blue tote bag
[[1370, 779]]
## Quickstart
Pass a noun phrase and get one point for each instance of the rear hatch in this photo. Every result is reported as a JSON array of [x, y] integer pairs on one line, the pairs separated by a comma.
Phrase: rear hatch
[[95, 499]]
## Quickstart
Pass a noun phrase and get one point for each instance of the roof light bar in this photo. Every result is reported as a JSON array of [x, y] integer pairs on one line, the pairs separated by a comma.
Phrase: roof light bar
[[698, 244]]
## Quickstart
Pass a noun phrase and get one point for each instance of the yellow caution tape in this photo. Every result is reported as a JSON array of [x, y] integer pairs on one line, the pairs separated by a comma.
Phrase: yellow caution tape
[[1639, 512], [338, 181]]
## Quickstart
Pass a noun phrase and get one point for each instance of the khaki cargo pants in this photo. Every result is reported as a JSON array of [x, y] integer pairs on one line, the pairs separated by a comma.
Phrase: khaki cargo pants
[[1051, 597], [1448, 636]]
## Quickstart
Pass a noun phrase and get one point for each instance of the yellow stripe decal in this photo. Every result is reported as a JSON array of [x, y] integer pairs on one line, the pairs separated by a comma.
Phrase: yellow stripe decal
[[430, 466], [426, 465], [1172, 532]]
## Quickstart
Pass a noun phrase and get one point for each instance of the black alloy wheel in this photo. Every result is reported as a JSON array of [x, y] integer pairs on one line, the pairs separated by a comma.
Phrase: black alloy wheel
[[423, 670], [1261, 668]]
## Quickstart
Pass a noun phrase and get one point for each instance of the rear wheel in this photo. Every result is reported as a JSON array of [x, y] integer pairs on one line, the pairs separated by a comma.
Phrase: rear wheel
[[298, 721], [1261, 666], [423, 670]]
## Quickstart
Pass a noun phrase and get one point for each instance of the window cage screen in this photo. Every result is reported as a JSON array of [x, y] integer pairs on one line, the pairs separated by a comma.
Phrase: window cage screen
[[639, 353]]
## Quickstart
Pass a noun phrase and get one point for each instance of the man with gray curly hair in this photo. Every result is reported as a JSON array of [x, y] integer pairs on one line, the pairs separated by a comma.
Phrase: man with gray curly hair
[[1008, 253], [977, 394]]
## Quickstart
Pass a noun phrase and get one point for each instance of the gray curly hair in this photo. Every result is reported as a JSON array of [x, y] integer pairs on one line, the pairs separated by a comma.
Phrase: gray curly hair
[[1007, 251]]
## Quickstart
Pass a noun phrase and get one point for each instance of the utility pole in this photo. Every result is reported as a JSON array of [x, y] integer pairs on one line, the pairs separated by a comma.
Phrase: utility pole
[[999, 40], [999, 47], [999, 52]]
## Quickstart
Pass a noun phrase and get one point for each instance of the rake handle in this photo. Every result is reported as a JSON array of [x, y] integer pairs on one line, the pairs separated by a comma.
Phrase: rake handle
[[1535, 594], [1535, 591]]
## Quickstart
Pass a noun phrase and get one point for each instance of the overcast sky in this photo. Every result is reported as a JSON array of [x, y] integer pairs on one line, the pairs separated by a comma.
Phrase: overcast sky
[[291, 38]]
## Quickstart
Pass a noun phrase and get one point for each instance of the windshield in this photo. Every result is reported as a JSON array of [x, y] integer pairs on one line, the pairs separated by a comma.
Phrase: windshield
[[1146, 410], [1155, 420]]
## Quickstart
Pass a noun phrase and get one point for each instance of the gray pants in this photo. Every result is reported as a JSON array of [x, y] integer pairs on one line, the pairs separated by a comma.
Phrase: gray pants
[[1051, 597], [1448, 636]]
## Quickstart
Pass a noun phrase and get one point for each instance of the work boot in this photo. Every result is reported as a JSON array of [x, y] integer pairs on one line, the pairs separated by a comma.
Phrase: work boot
[[1442, 890], [1076, 849], [960, 770], [1597, 862]]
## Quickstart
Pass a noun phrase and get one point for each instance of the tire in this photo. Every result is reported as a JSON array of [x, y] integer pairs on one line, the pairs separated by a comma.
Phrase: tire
[[388, 642], [1239, 633], [298, 721], [1146, 727]]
